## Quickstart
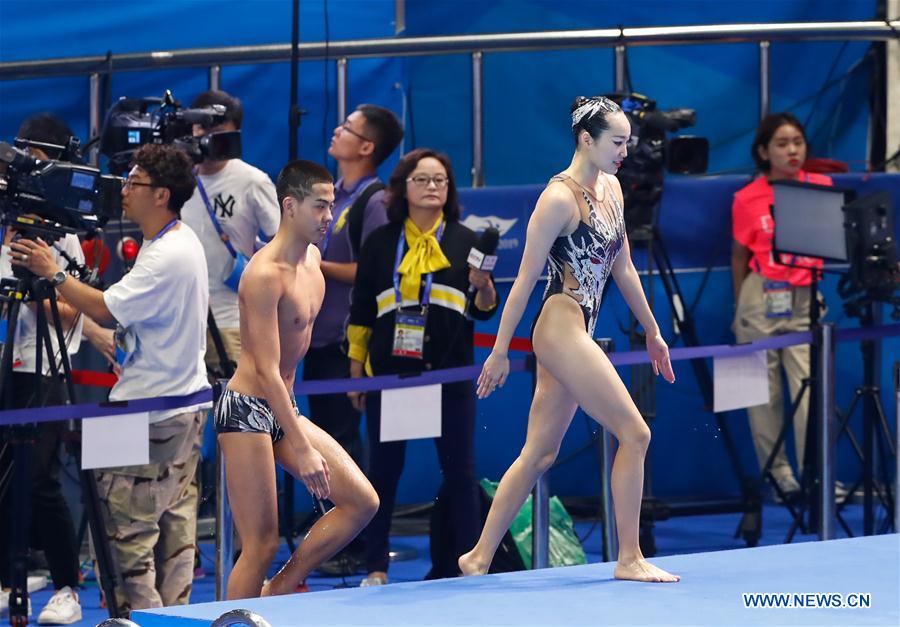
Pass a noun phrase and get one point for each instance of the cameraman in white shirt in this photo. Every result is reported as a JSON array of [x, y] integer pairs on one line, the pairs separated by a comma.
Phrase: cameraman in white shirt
[[160, 307]]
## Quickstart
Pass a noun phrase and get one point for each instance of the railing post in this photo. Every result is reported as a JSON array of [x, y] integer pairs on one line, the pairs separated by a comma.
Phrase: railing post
[[477, 120], [224, 530], [95, 121], [540, 523], [765, 84], [824, 343], [897, 448], [619, 69], [399, 16], [341, 87], [610, 537], [540, 500], [215, 77]]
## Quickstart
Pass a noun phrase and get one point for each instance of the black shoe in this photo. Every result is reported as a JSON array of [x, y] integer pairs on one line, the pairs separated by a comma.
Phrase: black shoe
[[344, 564], [791, 497], [788, 489]]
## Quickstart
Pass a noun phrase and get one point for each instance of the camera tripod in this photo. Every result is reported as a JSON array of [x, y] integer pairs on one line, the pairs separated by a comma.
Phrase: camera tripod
[[13, 293], [652, 508], [874, 416], [877, 448]]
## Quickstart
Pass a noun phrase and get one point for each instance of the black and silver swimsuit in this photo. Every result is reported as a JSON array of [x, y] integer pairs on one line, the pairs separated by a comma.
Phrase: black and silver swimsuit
[[580, 263], [240, 413]]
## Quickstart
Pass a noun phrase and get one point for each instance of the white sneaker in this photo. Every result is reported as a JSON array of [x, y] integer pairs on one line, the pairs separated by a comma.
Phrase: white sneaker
[[63, 608], [4, 604], [376, 580], [840, 492]]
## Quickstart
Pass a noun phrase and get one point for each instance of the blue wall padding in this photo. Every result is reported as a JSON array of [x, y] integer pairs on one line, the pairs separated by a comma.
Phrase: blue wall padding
[[526, 95]]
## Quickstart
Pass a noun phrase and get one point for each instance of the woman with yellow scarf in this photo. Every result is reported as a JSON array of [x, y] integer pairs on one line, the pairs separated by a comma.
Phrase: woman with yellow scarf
[[419, 261]]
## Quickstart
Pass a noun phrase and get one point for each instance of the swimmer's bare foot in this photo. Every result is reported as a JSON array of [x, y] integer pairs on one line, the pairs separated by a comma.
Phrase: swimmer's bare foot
[[272, 588], [470, 565], [641, 570]]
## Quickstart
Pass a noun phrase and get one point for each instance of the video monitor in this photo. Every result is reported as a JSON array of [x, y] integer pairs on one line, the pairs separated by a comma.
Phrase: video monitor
[[809, 220]]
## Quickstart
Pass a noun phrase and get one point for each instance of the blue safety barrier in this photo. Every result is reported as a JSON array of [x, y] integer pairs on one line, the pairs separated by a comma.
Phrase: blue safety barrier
[[436, 377]]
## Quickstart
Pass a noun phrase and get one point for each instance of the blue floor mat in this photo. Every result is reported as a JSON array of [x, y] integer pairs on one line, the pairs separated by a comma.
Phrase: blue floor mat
[[676, 536], [712, 592]]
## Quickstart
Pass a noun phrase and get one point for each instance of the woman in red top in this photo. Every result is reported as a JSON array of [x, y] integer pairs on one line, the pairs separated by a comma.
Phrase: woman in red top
[[773, 295]]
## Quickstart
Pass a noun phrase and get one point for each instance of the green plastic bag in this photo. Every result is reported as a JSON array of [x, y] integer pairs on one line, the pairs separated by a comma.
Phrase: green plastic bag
[[565, 548]]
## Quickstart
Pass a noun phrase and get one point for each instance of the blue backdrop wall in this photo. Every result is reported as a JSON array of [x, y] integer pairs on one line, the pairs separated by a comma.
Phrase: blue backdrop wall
[[526, 97]]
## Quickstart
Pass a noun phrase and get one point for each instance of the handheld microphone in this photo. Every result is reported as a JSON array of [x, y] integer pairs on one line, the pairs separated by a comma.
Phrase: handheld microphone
[[482, 256]]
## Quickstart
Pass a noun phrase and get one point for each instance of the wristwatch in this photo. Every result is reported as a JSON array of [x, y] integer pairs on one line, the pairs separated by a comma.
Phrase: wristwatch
[[59, 278]]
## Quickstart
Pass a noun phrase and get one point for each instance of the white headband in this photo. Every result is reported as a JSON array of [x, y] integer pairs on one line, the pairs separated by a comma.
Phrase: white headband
[[591, 107]]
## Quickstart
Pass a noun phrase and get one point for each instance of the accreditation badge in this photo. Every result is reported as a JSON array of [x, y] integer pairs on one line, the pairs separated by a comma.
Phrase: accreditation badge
[[779, 299], [409, 333], [126, 343]]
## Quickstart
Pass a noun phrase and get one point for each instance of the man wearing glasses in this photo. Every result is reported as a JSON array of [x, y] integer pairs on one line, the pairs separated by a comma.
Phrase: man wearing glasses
[[160, 308], [359, 145]]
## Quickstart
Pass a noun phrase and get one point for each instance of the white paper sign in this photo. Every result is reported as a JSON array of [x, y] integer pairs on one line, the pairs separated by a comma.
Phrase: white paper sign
[[115, 441], [411, 413], [739, 382]]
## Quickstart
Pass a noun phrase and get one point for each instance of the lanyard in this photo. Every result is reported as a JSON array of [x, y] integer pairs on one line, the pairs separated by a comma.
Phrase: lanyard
[[164, 229], [212, 216], [426, 296], [360, 188]]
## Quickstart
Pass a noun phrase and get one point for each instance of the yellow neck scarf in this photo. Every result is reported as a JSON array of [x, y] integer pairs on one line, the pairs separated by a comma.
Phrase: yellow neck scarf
[[424, 256]]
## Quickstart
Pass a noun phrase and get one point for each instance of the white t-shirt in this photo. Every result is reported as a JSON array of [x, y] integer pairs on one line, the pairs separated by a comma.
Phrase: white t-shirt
[[26, 327], [161, 305], [244, 201]]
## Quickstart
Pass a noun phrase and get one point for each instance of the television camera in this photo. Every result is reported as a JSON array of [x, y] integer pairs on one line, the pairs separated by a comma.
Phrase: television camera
[[133, 122]]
